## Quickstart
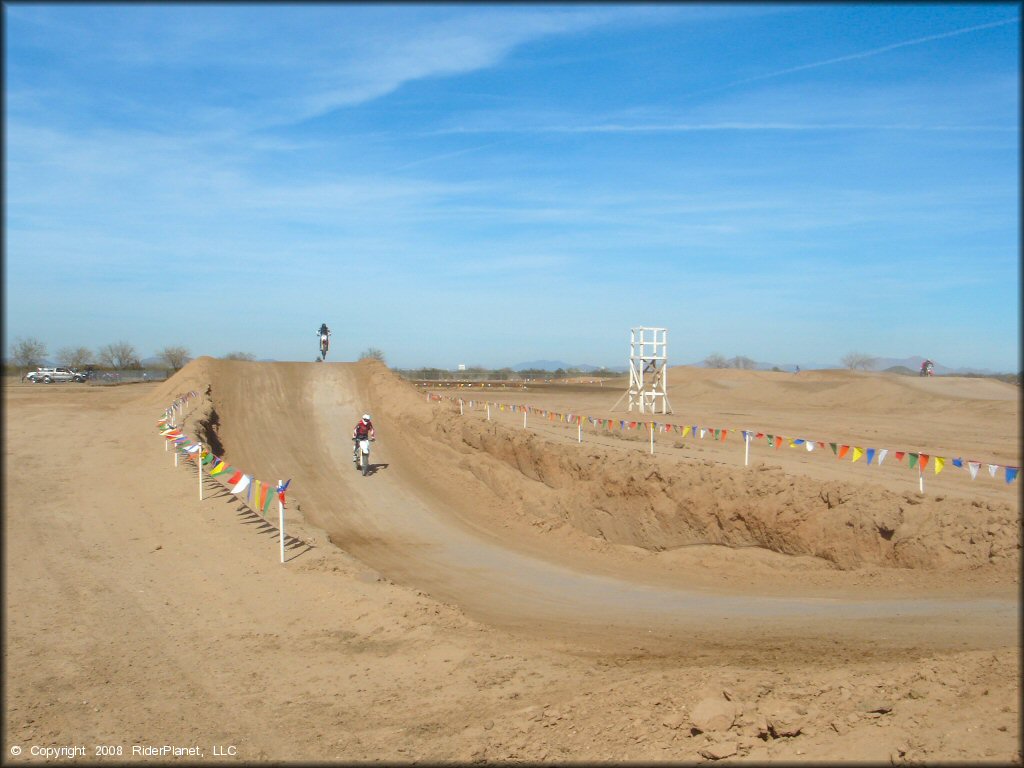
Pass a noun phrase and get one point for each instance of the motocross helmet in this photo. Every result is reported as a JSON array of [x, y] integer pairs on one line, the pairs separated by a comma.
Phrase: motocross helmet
[[366, 418]]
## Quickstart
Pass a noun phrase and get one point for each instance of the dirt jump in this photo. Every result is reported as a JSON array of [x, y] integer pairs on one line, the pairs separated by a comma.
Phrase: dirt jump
[[491, 591]]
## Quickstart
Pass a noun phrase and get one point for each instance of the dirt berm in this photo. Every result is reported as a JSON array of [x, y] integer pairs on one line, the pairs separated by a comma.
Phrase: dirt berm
[[519, 528]]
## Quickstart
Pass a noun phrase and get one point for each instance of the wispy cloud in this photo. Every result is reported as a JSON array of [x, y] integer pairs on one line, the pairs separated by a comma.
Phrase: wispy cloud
[[335, 57], [860, 55]]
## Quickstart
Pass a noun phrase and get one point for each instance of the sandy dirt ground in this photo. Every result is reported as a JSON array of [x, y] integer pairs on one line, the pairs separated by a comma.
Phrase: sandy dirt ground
[[495, 593]]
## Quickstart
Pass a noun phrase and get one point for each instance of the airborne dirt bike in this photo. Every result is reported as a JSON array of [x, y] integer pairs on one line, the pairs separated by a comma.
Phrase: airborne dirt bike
[[361, 454], [323, 346]]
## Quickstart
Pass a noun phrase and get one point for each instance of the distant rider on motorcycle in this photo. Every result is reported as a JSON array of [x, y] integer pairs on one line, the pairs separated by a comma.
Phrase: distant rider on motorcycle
[[362, 431], [927, 368], [323, 334]]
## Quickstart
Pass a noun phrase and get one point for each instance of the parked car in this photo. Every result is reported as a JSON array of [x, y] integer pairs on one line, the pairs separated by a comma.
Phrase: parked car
[[51, 375]]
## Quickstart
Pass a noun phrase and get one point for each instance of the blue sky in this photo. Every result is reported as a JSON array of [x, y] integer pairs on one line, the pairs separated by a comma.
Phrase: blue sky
[[489, 184]]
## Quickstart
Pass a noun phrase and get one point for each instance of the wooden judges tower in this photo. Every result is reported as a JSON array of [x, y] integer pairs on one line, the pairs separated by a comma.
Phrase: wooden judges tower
[[648, 373]]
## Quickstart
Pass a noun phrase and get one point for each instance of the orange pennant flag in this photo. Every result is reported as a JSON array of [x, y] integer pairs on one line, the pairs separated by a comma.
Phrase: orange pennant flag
[[843, 450]]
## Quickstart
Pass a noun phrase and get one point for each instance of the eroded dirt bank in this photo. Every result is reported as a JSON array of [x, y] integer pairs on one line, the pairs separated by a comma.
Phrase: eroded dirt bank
[[661, 504]]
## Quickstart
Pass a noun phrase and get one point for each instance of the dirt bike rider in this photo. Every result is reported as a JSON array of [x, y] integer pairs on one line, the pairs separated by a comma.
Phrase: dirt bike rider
[[323, 334], [926, 368], [363, 430]]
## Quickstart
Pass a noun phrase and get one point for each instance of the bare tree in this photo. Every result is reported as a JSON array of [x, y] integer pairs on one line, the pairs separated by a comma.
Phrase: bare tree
[[239, 356], [75, 357], [28, 353], [715, 360], [119, 356], [175, 357], [858, 360], [743, 363], [372, 353]]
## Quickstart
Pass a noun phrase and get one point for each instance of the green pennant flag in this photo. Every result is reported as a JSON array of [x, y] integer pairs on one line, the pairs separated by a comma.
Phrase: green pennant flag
[[833, 447], [266, 504], [208, 458], [913, 460]]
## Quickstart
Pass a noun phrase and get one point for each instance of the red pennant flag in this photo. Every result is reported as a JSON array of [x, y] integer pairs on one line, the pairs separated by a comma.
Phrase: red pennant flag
[[900, 455], [924, 460]]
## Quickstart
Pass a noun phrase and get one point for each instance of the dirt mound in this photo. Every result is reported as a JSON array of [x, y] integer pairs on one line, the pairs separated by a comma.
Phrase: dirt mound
[[826, 389]]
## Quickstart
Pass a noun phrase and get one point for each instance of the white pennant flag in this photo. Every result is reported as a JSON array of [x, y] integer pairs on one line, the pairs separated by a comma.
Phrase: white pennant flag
[[992, 469], [702, 433], [881, 455], [241, 485], [973, 466], [194, 448], [809, 445]]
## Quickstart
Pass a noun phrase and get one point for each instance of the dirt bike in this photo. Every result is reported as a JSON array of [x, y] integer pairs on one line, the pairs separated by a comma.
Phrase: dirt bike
[[927, 371], [361, 454], [323, 346]]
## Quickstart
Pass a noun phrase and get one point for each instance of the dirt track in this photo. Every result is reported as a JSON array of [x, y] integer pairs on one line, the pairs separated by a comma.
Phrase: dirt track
[[617, 592]]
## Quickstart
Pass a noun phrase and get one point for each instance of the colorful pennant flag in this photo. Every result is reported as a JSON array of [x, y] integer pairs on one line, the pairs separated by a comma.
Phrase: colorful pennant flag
[[281, 489]]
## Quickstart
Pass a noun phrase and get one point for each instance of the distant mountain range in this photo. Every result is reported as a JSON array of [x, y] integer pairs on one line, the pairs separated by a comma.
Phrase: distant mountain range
[[880, 364], [554, 365]]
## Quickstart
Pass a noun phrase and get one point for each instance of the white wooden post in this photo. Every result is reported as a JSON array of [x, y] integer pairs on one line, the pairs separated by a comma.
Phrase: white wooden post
[[579, 429], [199, 468], [652, 438], [176, 452], [280, 511], [524, 417], [920, 476], [746, 449], [488, 411], [460, 407]]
